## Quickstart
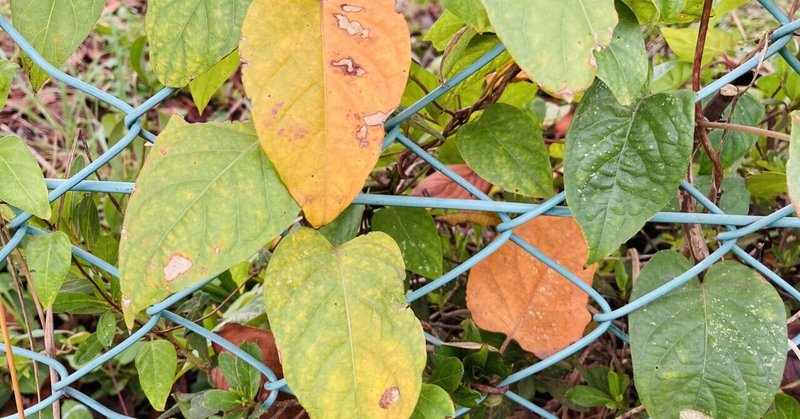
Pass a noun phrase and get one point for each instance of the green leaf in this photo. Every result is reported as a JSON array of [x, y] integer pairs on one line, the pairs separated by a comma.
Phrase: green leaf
[[339, 297], [466, 397], [682, 42], [793, 165], [784, 407], [55, 28], [749, 111], [735, 199], [718, 347], [87, 350], [216, 400], [447, 372], [505, 147], [588, 396], [106, 328], [78, 303], [471, 12], [71, 409], [239, 374], [345, 227], [767, 185], [624, 66], [156, 363], [85, 220], [206, 84], [553, 41], [23, 183], [207, 198], [623, 164], [7, 71], [49, 257], [415, 232], [433, 403], [653, 11], [443, 30], [188, 38]]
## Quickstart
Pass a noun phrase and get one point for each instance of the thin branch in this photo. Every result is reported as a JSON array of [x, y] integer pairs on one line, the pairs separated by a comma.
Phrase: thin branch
[[12, 368], [746, 129]]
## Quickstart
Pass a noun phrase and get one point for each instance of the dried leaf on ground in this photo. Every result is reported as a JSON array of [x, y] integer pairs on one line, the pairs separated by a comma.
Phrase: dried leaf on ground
[[514, 293], [438, 185]]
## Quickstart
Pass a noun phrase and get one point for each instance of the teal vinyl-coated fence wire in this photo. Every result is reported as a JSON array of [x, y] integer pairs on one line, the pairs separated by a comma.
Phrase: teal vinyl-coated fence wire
[[737, 227]]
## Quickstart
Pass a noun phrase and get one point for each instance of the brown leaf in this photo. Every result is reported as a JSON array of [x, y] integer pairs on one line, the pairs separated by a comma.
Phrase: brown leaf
[[483, 218], [286, 406], [514, 293], [438, 185]]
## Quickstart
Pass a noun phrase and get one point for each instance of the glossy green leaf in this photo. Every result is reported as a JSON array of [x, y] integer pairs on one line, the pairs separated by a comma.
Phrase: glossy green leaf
[[71, 409], [74, 303], [345, 227], [156, 363], [623, 164], [624, 66], [718, 347], [87, 350], [207, 198], [433, 403], [339, 297], [793, 165], [106, 328], [49, 257], [216, 400], [749, 111], [587, 396], [505, 147], [187, 38], [240, 375], [23, 183], [554, 41], [55, 28], [784, 407], [415, 232], [206, 85], [7, 71], [447, 372], [471, 12]]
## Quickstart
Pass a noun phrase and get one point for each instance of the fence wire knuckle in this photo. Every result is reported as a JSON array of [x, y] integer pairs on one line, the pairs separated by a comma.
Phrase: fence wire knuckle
[[737, 227]]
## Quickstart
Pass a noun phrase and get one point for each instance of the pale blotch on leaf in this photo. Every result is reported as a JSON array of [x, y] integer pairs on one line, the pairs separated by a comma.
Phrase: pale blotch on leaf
[[389, 398], [351, 26], [349, 67], [352, 9], [176, 266]]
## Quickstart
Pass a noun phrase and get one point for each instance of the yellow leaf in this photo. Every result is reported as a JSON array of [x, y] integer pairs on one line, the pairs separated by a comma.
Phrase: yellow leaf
[[323, 77], [514, 293]]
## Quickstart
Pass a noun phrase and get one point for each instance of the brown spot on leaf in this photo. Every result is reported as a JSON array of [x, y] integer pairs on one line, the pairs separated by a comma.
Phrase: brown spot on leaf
[[351, 9], [300, 132], [217, 249], [390, 396], [351, 26], [349, 67], [163, 151], [361, 136], [276, 109], [176, 266], [376, 119]]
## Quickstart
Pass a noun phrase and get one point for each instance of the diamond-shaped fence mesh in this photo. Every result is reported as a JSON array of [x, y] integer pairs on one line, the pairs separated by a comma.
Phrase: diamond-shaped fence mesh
[[511, 214]]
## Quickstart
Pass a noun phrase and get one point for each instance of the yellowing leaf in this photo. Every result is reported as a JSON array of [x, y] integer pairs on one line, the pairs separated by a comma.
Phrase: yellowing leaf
[[514, 293], [682, 43], [206, 199], [321, 88], [350, 346]]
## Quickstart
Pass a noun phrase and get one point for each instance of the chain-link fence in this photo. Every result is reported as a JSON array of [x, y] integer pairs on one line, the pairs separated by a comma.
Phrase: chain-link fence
[[511, 214]]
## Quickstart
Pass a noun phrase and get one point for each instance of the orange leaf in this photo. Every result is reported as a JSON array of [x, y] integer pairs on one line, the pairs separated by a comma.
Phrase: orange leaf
[[323, 76], [438, 185], [514, 293]]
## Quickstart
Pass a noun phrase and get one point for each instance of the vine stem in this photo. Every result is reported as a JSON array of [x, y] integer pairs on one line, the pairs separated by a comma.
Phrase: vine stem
[[746, 129], [12, 368]]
